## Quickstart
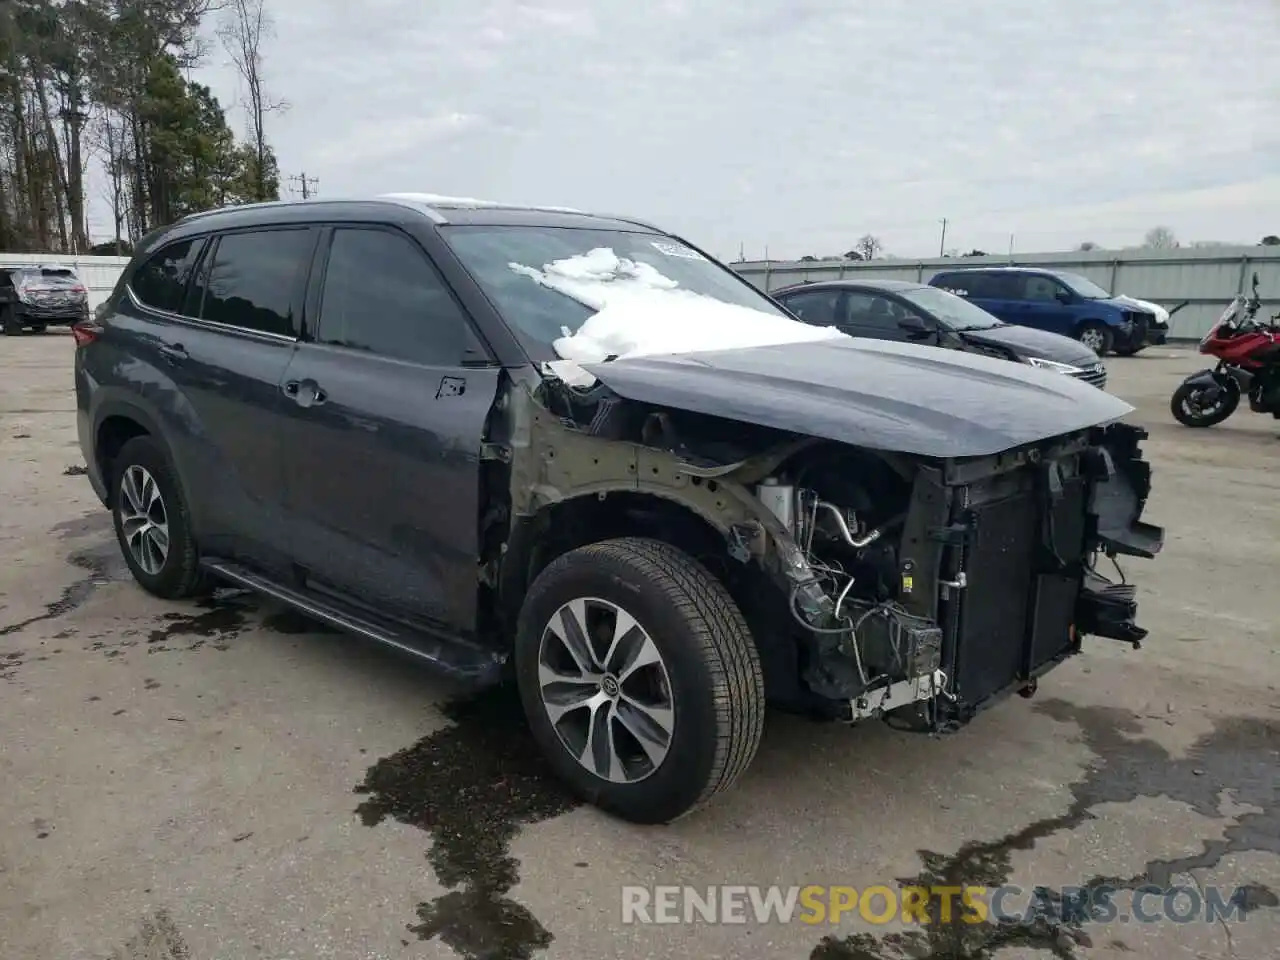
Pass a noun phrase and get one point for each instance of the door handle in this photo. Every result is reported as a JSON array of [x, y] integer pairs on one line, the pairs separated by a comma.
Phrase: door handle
[[174, 353], [305, 393]]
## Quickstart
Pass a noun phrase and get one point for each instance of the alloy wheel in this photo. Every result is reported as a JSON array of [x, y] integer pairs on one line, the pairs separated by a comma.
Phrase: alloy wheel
[[1092, 339], [144, 519], [605, 688]]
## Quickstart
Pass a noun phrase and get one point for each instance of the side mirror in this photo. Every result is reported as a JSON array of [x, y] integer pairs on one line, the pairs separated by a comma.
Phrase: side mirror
[[914, 327], [1063, 297]]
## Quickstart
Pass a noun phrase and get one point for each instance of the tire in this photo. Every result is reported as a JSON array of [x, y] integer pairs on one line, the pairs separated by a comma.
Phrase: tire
[[1178, 406], [1129, 351], [9, 323], [178, 574], [707, 657], [1095, 336], [40, 328]]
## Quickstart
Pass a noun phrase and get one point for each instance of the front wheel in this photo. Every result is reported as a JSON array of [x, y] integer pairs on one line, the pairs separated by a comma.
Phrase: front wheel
[[10, 323], [1130, 351], [1095, 336], [1204, 405], [640, 678]]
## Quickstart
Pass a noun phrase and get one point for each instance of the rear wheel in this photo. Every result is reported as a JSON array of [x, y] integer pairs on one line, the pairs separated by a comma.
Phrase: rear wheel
[[1198, 405], [1095, 336], [1129, 351], [152, 522], [640, 678]]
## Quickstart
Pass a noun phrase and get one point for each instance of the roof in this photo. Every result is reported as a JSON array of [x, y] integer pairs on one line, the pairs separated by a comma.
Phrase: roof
[[1002, 270], [870, 284], [441, 210]]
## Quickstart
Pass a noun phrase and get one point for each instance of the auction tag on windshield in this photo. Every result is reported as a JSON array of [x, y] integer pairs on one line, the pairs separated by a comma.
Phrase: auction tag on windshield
[[677, 250]]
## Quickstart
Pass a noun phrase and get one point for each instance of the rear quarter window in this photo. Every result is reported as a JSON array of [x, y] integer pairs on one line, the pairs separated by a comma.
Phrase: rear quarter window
[[160, 281]]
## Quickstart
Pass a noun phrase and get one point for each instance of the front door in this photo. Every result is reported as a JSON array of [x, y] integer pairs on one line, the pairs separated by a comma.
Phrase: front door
[[1046, 305], [386, 423]]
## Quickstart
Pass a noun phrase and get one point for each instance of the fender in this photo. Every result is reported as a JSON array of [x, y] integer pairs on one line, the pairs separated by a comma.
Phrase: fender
[[118, 403], [1214, 380]]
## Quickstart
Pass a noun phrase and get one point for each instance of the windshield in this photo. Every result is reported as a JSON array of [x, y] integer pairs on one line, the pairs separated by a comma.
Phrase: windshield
[[588, 294], [1083, 286], [955, 312]]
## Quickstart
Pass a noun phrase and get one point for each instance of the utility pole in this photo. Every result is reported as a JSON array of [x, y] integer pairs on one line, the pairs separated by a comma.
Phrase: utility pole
[[1011, 248], [942, 244], [306, 182]]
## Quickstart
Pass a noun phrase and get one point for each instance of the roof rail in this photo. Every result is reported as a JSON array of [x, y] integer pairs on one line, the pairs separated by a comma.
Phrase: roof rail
[[436, 202]]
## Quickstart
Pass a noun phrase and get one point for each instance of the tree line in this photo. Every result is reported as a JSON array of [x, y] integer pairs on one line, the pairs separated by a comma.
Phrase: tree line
[[106, 83]]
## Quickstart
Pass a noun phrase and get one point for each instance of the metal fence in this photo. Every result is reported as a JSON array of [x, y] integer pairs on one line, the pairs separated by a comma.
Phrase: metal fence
[[1201, 281], [99, 274]]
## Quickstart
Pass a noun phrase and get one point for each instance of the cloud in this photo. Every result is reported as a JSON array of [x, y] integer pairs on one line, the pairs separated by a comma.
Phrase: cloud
[[800, 124]]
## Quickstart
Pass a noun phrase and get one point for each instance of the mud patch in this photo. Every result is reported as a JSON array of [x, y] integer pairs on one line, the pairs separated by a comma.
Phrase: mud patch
[[1240, 755], [472, 786], [157, 939], [76, 470]]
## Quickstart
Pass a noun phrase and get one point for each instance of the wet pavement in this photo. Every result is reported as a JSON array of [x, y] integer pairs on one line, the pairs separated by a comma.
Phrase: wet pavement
[[229, 780]]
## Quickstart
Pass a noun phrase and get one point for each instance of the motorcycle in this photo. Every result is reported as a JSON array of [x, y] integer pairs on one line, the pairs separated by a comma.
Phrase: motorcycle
[[1248, 354]]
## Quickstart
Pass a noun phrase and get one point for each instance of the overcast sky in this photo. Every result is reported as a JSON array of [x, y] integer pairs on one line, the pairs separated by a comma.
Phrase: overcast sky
[[798, 124]]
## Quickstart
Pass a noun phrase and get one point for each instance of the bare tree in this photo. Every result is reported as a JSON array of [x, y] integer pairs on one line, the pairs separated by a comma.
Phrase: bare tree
[[1160, 238], [1088, 245], [246, 25], [869, 246]]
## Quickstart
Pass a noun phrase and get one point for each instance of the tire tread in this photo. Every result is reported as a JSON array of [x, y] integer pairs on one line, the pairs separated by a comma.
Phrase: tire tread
[[725, 642]]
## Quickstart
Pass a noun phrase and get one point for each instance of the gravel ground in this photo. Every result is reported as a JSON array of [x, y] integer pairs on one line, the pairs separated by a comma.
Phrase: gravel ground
[[227, 781]]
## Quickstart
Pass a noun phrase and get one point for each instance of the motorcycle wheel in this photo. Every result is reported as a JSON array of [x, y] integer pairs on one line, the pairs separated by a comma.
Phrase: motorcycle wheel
[[1190, 413]]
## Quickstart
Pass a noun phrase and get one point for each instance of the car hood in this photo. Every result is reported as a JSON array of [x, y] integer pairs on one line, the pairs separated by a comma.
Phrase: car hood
[[875, 394], [1026, 342]]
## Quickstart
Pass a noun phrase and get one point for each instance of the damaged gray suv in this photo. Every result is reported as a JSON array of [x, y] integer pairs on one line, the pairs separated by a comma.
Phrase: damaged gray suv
[[575, 451]]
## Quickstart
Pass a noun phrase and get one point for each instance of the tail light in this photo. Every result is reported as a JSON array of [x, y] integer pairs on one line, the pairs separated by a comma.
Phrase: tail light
[[85, 332]]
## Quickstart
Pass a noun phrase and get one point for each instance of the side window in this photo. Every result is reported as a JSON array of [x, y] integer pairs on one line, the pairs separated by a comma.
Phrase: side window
[[381, 294], [253, 278], [873, 315], [814, 306], [1040, 289], [996, 286], [161, 281]]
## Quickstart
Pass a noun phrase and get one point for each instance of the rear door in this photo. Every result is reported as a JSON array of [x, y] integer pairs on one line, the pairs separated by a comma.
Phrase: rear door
[[818, 307], [388, 396], [225, 350], [997, 293]]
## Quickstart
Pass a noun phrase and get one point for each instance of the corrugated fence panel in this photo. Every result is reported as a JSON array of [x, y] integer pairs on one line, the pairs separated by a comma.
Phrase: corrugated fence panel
[[1199, 283], [99, 274]]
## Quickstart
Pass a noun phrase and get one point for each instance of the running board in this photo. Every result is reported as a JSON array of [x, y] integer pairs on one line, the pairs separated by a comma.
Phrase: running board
[[468, 665]]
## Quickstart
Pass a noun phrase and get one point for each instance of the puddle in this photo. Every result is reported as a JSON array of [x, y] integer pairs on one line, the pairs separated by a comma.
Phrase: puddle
[[1241, 755], [102, 564], [289, 621], [472, 786], [219, 620]]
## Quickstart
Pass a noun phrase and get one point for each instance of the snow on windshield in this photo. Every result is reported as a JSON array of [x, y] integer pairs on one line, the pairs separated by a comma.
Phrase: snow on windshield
[[641, 312]]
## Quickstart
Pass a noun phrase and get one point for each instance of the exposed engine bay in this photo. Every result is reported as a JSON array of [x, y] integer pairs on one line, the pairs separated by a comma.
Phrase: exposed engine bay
[[849, 531], [876, 583]]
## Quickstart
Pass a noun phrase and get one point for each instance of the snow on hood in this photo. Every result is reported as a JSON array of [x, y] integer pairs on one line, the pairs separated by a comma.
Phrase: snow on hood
[[642, 312], [1162, 315]]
